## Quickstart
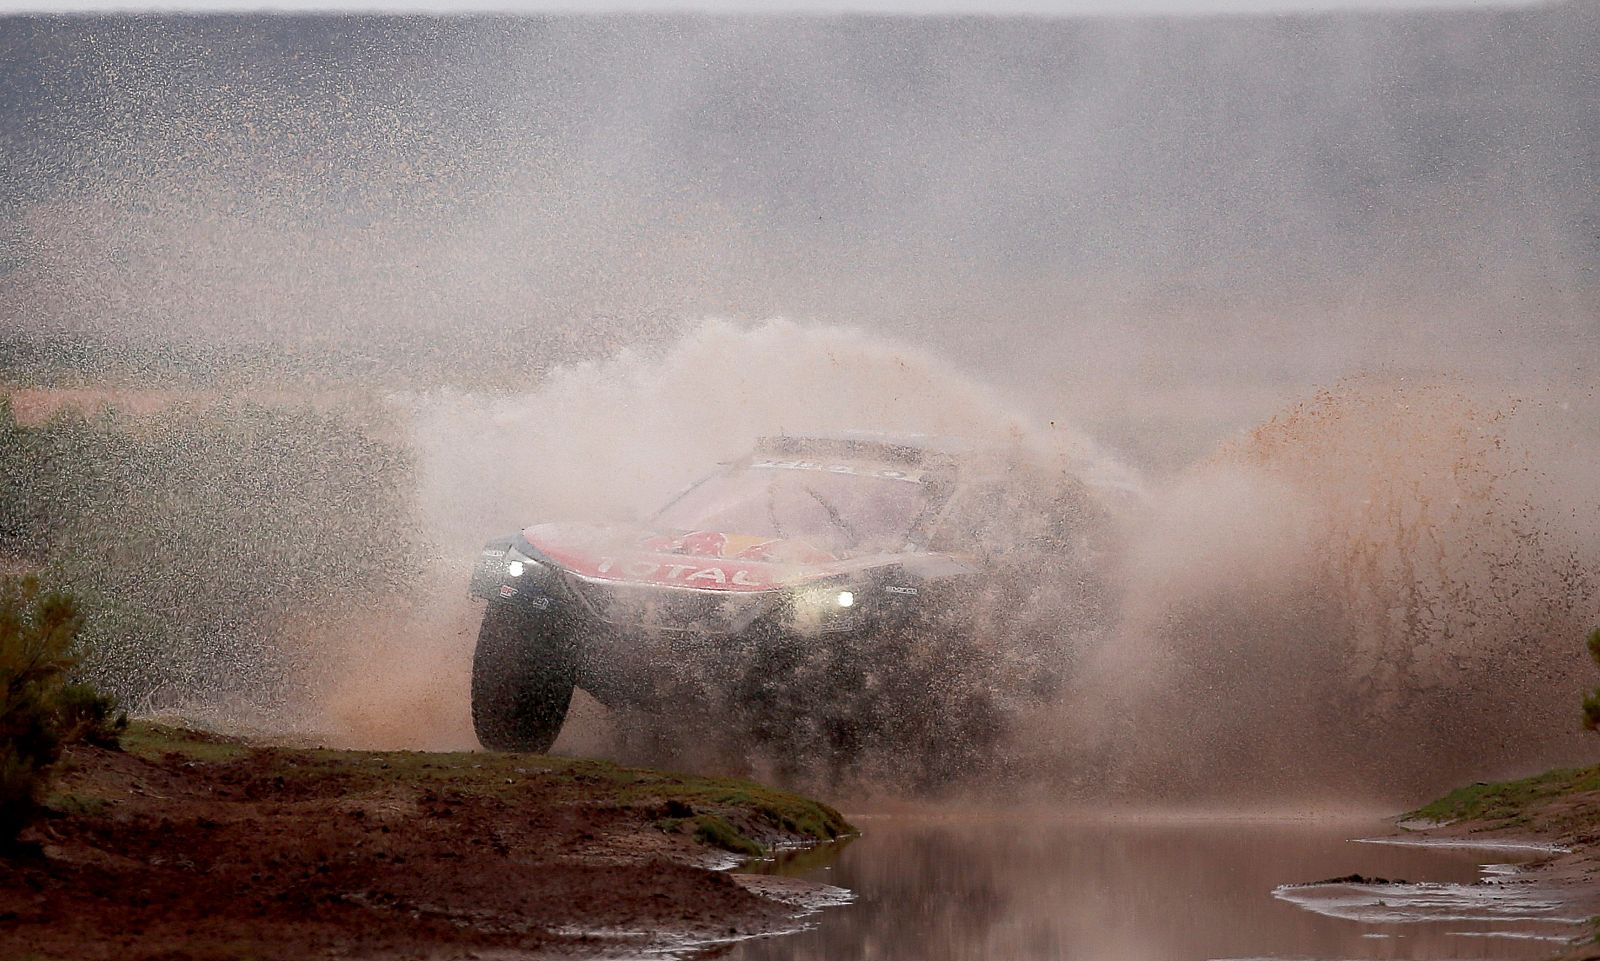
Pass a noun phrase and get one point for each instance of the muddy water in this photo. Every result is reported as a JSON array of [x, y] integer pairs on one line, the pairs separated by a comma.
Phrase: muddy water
[[929, 889]]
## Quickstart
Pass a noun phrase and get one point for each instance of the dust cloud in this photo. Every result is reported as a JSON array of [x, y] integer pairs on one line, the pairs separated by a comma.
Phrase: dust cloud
[[1307, 302]]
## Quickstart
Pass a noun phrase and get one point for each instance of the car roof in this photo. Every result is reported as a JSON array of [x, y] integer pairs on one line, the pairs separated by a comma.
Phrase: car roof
[[902, 448]]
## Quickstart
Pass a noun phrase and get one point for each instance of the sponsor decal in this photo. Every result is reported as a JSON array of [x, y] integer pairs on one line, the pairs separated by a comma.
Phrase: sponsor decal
[[506, 590], [705, 543], [538, 602], [700, 543], [907, 591], [746, 547], [494, 553], [690, 575], [707, 560]]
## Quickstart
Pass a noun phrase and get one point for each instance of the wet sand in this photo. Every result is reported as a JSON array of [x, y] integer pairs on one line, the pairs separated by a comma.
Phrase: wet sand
[[1559, 840]]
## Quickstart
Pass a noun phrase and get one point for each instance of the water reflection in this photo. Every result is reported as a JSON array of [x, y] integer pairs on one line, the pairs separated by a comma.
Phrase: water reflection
[[933, 889]]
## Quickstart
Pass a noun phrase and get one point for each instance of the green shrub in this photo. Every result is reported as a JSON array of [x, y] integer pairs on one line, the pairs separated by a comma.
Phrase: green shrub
[[713, 830], [40, 712], [91, 716], [1591, 701]]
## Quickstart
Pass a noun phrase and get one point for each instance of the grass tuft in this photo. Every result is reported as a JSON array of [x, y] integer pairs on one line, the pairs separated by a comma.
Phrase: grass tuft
[[152, 741], [1509, 801], [713, 830]]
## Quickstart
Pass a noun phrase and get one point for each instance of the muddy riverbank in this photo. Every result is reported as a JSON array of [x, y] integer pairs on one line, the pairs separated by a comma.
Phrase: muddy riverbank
[[186, 845], [1554, 816], [1538, 841]]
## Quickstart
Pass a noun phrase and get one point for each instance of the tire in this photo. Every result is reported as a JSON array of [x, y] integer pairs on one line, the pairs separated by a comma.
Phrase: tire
[[522, 681]]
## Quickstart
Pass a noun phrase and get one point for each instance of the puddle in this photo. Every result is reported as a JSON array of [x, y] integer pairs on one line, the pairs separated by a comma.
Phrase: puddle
[[941, 889]]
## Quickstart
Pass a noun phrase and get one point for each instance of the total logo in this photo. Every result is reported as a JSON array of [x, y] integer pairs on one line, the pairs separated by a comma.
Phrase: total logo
[[683, 573]]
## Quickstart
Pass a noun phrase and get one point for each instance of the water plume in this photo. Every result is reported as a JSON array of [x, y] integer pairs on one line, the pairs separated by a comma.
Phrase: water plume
[[1375, 591]]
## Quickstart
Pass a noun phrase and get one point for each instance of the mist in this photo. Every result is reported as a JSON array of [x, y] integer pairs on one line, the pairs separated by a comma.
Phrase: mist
[[1312, 297]]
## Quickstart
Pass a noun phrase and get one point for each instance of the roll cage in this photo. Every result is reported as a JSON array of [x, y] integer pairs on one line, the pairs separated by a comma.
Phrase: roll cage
[[956, 480]]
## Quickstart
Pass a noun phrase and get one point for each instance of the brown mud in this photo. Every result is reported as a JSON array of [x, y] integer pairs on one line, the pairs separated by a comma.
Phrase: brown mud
[[1556, 815], [186, 845]]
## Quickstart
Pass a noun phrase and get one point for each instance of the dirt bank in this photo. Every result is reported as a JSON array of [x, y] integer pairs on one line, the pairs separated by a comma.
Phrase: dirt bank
[[187, 845], [1558, 811]]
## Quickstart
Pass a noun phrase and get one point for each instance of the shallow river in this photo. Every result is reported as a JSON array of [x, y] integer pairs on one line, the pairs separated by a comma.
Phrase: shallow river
[[929, 889]]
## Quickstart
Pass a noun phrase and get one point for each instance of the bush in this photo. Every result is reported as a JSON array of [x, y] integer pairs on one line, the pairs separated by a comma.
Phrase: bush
[[90, 716], [1591, 701], [40, 712]]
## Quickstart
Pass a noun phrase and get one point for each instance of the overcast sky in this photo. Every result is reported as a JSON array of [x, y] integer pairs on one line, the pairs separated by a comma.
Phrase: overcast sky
[[1032, 7]]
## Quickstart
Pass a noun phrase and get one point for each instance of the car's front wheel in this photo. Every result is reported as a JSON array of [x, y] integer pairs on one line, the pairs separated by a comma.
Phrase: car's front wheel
[[522, 681]]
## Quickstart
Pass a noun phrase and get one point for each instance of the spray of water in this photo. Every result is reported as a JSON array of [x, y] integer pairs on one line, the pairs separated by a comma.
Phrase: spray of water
[[603, 441], [1375, 591], [1377, 588]]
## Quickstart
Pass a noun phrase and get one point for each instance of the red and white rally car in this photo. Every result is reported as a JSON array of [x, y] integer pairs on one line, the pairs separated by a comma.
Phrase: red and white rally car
[[820, 594]]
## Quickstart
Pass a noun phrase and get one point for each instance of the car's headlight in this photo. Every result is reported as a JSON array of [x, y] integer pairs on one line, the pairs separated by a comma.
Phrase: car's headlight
[[826, 597], [520, 565], [825, 607]]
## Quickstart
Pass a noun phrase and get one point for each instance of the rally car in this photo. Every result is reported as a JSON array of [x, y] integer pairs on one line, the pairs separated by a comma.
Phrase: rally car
[[821, 592]]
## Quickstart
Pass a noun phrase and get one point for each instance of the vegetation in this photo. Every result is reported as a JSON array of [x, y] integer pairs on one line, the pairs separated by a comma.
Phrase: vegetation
[[1591, 701], [40, 711], [191, 531], [717, 832], [772, 808], [1512, 803]]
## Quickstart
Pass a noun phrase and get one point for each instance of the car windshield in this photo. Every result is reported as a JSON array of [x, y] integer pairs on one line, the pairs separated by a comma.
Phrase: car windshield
[[841, 508]]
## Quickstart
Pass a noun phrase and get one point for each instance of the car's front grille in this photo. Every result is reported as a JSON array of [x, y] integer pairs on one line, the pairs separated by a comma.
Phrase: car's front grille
[[670, 608]]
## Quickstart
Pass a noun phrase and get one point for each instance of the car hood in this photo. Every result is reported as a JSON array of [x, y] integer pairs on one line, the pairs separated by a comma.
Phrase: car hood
[[708, 560]]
